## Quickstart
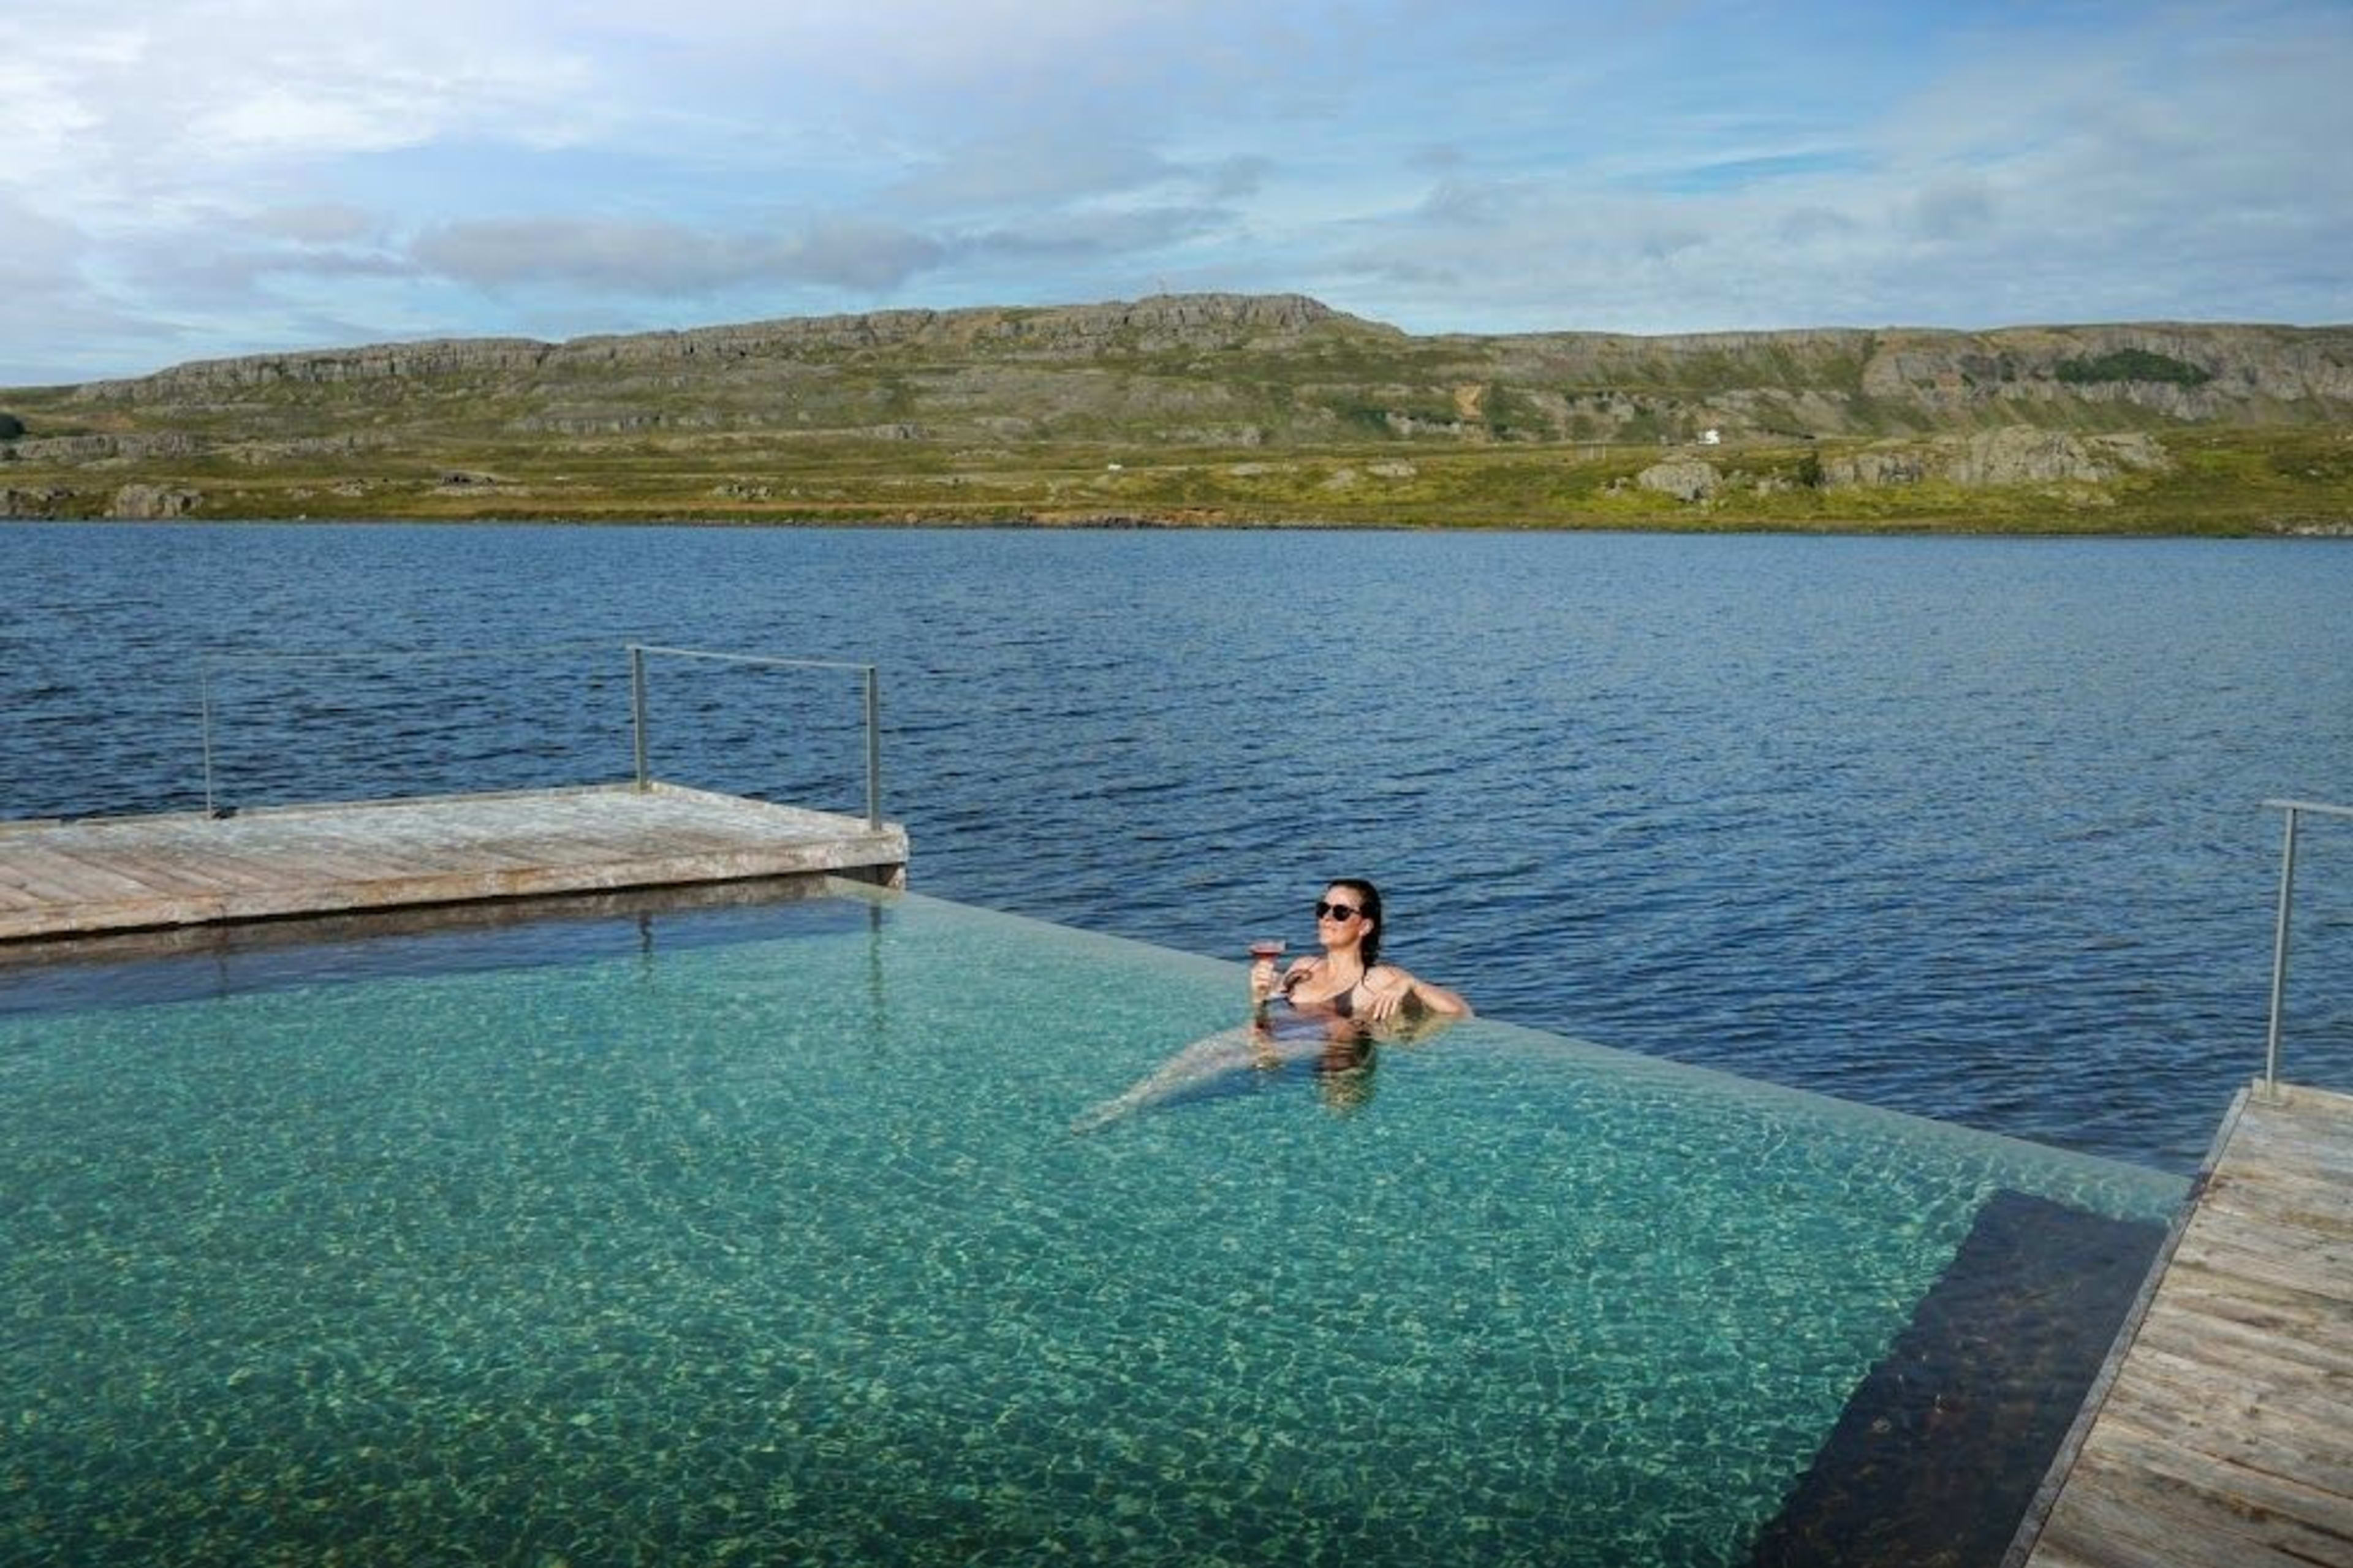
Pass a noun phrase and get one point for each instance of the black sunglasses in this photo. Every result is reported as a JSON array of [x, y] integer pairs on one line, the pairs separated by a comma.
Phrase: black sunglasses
[[1336, 912]]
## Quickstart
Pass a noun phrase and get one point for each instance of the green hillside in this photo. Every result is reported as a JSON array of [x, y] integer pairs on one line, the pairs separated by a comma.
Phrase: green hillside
[[1217, 409]]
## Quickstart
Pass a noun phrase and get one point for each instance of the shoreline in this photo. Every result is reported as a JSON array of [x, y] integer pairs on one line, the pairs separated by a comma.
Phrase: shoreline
[[1906, 527]]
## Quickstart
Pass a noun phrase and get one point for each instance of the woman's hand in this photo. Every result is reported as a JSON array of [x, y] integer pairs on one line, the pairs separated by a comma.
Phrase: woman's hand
[[1265, 986], [1392, 991], [1387, 998], [1261, 980]]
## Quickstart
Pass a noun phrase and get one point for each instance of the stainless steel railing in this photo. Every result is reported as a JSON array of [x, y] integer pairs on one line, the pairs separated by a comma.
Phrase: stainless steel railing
[[640, 729], [208, 664], [2296, 810]]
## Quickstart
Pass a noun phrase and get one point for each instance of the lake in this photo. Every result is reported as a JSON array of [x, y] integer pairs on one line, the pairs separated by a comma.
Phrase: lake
[[1966, 827]]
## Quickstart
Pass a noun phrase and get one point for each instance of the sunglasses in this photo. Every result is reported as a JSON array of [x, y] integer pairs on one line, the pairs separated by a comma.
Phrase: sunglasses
[[1336, 912]]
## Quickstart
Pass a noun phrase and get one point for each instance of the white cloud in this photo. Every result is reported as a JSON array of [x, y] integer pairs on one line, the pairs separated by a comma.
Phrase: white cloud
[[183, 101], [317, 223], [1034, 166], [1101, 233]]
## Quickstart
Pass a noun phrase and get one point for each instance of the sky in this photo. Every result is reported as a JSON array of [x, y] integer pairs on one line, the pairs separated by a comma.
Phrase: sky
[[191, 179]]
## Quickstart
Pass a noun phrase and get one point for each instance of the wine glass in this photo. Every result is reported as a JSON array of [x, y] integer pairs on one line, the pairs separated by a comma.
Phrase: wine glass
[[1265, 950]]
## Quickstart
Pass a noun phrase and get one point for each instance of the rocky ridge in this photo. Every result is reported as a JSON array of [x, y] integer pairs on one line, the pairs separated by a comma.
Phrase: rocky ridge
[[1074, 332], [737, 412], [1217, 354]]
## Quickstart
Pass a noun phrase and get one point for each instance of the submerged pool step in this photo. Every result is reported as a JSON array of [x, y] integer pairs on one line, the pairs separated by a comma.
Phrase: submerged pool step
[[1938, 1453]]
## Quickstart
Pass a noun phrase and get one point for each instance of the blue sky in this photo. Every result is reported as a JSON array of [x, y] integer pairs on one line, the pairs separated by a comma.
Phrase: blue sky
[[184, 179]]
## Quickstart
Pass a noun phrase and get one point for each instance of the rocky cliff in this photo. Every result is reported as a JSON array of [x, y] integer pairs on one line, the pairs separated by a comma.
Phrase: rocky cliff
[[1259, 368], [1165, 323]]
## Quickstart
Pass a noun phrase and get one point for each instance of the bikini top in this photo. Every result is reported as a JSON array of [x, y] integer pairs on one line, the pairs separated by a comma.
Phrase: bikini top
[[1340, 1004]]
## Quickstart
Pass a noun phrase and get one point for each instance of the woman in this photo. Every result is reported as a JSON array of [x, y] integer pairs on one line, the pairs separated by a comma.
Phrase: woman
[[1339, 998], [1350, 981]]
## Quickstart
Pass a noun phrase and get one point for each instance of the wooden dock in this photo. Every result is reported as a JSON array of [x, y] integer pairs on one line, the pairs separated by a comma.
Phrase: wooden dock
[[2223, 1433], [65, 880]]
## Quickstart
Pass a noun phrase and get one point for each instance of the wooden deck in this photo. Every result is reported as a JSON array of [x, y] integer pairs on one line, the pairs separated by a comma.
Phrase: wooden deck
[[2225, 1437], [63, 880]]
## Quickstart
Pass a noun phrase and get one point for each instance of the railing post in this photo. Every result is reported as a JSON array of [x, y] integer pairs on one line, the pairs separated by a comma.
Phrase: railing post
[[637, 712], [2279, 952], [873, 749], [205, 704]]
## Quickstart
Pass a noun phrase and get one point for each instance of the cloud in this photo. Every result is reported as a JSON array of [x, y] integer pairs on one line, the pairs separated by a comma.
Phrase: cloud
[[658, 258], [174, 102], [1807, 222], [39, 251], [1751, 169], [1036, 166], [50, 303], [1951, 210], [1242, 175], [1378, 268], [1048, 170], [1113, 232], [850, 253], [2023, 178], [317, 223], [1461, 203]]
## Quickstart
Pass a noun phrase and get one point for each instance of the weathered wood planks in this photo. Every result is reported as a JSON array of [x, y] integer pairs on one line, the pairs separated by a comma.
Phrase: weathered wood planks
[[78, 878], [2226, 1435]]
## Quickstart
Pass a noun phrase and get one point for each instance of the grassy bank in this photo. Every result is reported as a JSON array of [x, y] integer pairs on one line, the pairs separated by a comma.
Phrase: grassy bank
[[2223, 482]]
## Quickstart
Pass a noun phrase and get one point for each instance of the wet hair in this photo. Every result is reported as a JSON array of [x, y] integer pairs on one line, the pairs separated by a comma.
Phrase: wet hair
[[1368, 898]]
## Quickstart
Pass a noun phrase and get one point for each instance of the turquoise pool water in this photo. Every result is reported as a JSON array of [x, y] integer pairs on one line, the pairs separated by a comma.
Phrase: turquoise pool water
[[762, 1237]]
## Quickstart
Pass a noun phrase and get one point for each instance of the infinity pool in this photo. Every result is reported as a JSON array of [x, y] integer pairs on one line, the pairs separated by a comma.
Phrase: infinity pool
[[762, 1235]]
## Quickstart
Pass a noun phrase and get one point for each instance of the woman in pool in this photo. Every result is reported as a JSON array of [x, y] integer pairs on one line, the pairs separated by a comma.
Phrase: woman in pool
[[1349, 981], [1342, 1001]]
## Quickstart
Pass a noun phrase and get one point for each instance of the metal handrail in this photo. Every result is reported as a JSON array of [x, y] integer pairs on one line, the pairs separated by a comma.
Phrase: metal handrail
[[2296, 810], [639, 728], [206, 662]]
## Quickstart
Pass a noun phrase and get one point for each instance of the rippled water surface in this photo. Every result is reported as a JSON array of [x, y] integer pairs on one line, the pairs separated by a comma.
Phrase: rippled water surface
[[1970, 828], [762, 1235]]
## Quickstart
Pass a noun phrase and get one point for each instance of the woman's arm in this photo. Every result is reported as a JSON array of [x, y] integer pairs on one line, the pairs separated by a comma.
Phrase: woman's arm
[[1395, 990]]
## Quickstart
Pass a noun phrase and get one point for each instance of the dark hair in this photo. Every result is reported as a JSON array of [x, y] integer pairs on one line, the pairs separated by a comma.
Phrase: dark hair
[[1368, 898]]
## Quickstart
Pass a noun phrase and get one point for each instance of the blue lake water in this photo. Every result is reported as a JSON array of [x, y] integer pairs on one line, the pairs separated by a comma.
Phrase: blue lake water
[[1969, 829]]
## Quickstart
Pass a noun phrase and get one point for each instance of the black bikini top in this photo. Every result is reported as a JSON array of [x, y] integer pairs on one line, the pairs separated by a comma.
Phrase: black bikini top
[[1340, 1004]]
